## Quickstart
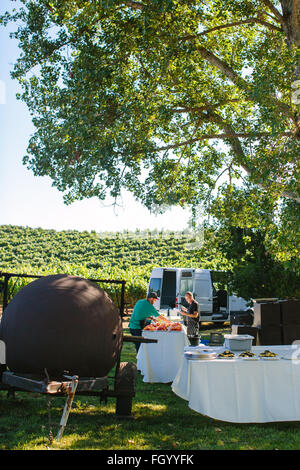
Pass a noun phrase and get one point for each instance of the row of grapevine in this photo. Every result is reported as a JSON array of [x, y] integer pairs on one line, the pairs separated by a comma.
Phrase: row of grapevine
[[41, 252]]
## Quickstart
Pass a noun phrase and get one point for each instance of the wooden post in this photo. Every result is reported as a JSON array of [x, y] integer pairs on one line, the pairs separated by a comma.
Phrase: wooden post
[[71, 393]]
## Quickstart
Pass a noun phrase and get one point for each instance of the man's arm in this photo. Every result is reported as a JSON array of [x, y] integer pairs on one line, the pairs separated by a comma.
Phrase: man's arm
[[192, 315], [153, 312]]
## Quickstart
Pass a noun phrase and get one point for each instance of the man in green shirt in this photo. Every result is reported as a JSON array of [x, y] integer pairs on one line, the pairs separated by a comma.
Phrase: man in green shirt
[[143, 310]]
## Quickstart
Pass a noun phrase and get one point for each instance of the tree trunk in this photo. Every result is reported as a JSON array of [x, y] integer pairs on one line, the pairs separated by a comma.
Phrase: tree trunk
[[291, 18]]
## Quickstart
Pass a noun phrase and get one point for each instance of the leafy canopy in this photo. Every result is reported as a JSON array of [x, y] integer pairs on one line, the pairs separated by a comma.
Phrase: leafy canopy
[[180, 102]]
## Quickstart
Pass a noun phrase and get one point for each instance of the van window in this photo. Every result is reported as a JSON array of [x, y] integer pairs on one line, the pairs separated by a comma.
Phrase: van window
[[186, 285], [155, 285], [186, 274]]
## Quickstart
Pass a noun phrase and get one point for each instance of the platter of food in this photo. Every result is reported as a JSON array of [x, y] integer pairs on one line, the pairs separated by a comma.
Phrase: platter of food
[[164, 325], [268, 356], [226, 355], [248, 356]]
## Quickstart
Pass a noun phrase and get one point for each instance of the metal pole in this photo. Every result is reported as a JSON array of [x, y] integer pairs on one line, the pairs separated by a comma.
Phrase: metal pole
[[122, 299], [5, 291]]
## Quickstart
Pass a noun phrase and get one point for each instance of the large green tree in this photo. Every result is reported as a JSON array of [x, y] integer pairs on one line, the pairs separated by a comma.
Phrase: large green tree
[[252, 271], [180, 102]]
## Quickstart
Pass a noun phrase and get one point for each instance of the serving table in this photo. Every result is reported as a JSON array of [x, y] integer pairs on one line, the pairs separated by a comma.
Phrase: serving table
[[243, 390], [159, 363]]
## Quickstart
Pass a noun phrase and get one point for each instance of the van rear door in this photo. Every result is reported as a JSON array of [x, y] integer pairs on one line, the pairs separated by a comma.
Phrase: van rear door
[[186, 285], [203, 292]]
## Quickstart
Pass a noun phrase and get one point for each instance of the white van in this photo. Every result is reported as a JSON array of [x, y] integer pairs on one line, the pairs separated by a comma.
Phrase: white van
[[171, 284]]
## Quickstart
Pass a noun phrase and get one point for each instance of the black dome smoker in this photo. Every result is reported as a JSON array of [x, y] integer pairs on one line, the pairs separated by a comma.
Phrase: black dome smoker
[[63, 335]]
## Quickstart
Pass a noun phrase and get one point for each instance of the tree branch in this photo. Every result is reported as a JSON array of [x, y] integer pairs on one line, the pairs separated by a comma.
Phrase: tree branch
[[206, 107], [269, 15], [290, 195], [230, 25], [239, 81], [227, 135], [275, 12], [135, 5], [234, 139], [238, 150]]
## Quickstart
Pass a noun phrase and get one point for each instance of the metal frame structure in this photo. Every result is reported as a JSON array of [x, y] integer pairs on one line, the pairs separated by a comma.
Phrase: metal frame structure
[[8, 276], [124, 387]]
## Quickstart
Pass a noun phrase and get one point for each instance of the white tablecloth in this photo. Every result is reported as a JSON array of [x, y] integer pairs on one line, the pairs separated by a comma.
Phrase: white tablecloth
[[241, 391], [159, 362]]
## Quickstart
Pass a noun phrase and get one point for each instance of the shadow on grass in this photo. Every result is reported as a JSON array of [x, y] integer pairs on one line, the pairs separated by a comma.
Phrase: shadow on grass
[[162, 421]]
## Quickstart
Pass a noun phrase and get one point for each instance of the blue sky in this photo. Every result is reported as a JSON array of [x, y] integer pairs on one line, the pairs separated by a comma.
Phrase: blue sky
[[32, 201]]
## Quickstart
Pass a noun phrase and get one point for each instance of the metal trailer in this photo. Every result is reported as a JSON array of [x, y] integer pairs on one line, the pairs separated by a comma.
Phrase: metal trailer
[[122, 385]]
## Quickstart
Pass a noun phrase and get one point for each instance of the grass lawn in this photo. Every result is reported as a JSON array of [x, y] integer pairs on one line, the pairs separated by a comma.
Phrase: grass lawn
[[162, 421]]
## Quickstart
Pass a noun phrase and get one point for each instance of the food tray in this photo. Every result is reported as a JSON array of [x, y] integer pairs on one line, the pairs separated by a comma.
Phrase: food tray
[[199, 355]]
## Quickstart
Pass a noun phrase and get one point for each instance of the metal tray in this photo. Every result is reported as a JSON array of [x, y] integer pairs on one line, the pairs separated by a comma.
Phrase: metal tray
[[199, 356]]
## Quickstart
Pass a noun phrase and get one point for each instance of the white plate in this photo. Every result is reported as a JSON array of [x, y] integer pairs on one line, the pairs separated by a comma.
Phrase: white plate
[[199, 358], [264, 358], [227, 358], [290, 358], [254, 358]]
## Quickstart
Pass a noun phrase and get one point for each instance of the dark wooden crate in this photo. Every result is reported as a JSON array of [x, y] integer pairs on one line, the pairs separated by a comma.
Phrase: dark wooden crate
[[270, 335], [290, 311], [291, 333], [267, 314]]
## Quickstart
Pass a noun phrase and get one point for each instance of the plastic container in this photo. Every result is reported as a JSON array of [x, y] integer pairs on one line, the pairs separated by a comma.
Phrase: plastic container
[[238, 342]]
